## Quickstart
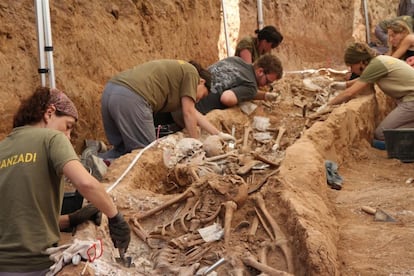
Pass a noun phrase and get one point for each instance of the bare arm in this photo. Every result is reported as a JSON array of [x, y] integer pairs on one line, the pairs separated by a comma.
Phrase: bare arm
[[349, 93], [89, 187], [64, 222], [228, 98], [205, 124], [196, 118], [405, 44], [190, 116], [260, 95], [246, 55]]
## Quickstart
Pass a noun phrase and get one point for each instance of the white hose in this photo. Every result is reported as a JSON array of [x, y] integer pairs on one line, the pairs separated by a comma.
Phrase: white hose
[[139, 154]]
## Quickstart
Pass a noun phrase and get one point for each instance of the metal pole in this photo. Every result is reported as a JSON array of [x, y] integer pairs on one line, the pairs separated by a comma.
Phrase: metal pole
[[48, 41], [225, 27], [40, 38], [260, 23], [367, 27]]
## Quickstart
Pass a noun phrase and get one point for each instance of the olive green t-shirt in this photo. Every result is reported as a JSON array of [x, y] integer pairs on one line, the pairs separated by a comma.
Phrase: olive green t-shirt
[[393, 76], [31, 163], [248, 43], [161, 82]]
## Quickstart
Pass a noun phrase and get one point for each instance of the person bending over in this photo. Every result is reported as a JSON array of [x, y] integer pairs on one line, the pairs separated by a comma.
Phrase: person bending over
[[393, 76], [235, 81], [131, 98], [250, 48], [401, 41]]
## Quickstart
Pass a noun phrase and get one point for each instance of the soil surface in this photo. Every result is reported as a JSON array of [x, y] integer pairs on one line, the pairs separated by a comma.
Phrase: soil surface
[[319, 230]]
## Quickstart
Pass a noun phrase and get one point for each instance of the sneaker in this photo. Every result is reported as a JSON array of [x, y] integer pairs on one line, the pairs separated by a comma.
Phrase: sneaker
[[95, 165], [378, 144], [332, 176], [98, 145]]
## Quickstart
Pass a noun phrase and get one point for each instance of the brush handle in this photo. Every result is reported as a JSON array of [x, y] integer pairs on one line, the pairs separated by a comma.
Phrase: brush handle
[[368, 210]]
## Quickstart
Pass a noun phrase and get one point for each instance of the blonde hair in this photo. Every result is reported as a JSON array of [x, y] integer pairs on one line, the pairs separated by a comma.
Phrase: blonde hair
[[398, 27]]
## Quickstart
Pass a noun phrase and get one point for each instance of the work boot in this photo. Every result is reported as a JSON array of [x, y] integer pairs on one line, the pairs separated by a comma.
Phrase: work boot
[[95, 165], [99, 145]]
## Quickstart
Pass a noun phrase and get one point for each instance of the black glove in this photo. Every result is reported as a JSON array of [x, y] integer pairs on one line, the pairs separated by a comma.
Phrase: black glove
[[119, 231], [89, 212]]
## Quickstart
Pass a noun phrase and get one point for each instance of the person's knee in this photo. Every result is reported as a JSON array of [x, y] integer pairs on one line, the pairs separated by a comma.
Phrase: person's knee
[[381, 35], [379, 134]]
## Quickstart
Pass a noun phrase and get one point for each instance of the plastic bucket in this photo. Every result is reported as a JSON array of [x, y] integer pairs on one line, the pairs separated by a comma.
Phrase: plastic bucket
[[400, 144]]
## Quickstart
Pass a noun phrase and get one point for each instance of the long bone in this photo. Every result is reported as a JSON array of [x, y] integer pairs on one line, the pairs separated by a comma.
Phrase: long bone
[[245, 148], [144, 235], [280, 237], [249, 260], [265, 160], [230, 206], [222, 156], [139, 230], [188, 193], [264, 224], [253, 229], [276, 145], [264, 251]]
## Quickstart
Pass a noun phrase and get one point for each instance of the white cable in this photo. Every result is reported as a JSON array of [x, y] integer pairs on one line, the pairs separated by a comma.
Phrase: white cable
[[130, 166]]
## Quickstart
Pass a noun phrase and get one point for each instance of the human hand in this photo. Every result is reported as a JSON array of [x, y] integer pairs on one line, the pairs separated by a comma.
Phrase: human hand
[[89, 212], [226, 136], [270, 96], [119, 231], [325, 108], [338, 85], [410, 61]]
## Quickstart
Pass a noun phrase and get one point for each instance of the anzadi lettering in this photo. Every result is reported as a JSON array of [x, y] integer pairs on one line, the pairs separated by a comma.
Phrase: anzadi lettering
[[29, 157]]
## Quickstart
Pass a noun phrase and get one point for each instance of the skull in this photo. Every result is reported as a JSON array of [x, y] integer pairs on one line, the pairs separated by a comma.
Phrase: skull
[[187, 146], [213, 145]]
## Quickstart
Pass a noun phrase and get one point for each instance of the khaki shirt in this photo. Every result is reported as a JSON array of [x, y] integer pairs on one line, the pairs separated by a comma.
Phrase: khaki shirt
[[162, 83], [393, 76], [31, 164]]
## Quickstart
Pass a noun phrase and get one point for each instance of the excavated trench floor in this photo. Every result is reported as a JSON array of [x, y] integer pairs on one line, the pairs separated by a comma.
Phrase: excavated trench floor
[[320, 231]]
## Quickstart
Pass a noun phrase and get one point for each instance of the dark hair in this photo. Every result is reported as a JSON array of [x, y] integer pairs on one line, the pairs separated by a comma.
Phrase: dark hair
[[203, 73], [357, 52], [270, 64], [270, 34], [33, 108]]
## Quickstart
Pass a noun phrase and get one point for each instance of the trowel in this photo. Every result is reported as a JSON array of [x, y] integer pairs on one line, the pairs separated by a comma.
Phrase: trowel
[[124, 260], [379, 215]]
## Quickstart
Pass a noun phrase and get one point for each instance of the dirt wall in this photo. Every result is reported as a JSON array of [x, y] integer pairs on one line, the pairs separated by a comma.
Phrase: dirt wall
[[93, 40]]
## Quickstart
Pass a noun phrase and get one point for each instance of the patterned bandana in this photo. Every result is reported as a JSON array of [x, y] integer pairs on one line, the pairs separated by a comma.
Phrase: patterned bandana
[[63, 103]]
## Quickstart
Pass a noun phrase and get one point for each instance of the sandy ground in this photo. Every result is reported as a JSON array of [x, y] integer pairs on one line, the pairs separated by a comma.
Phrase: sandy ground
[[326, 231]]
